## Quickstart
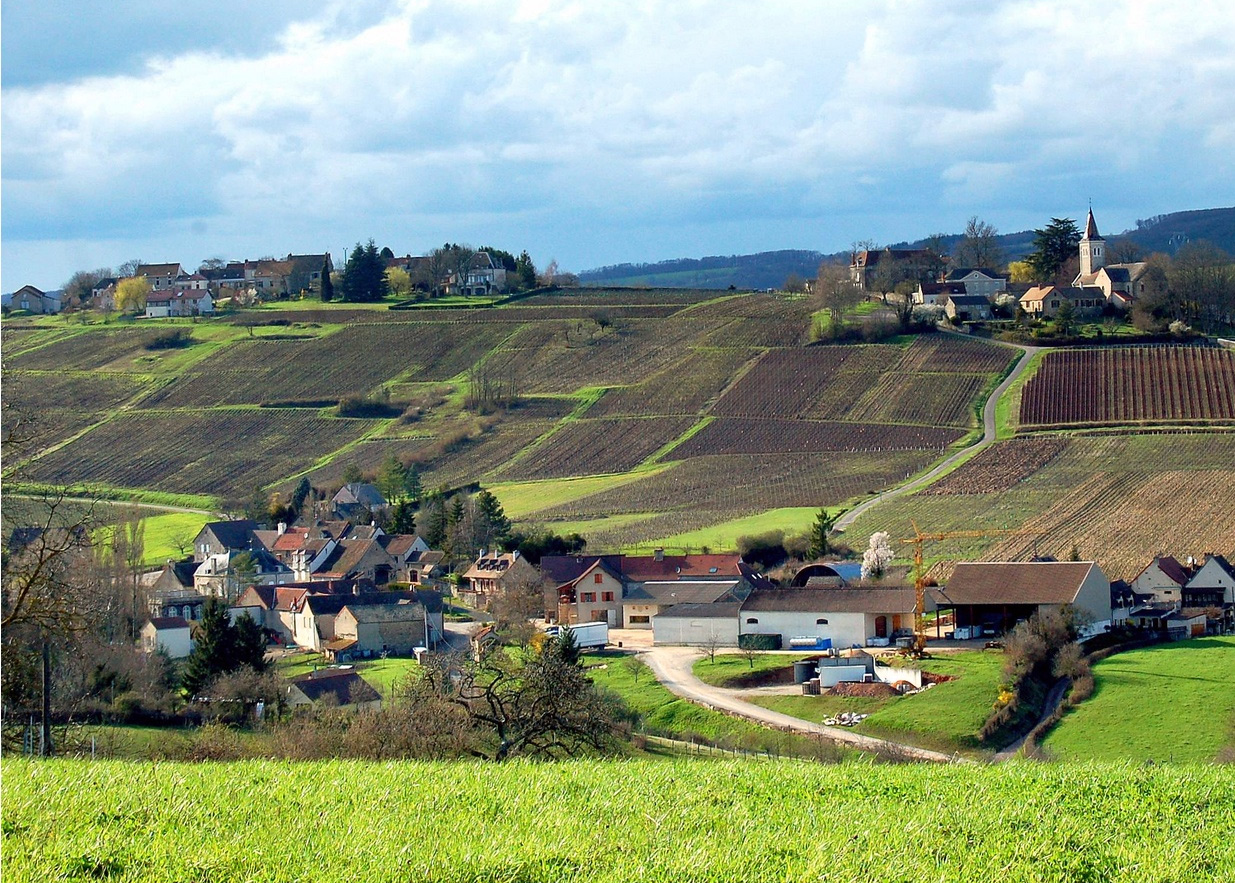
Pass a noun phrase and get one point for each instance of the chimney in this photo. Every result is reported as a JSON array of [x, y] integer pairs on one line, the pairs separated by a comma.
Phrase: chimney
[[659, 555], [282, 528]]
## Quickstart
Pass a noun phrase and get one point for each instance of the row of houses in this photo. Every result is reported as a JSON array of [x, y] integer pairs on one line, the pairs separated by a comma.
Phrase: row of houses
[[718, 599]]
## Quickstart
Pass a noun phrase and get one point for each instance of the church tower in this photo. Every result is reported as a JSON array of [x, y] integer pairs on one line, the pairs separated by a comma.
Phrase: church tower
[[1093, 248]]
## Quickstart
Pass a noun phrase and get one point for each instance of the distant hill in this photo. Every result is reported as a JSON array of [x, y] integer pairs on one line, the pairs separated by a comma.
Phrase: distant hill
[[769, 269]]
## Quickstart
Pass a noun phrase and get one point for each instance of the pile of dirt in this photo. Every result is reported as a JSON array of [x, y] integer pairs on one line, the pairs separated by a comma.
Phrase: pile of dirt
[[929, 677], [875, 690]]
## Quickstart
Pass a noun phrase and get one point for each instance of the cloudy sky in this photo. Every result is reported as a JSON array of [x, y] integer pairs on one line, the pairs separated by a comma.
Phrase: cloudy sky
[[594, 132]]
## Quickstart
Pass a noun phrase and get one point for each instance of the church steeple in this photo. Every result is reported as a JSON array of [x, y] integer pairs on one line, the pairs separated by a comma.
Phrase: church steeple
[[1093, 247]]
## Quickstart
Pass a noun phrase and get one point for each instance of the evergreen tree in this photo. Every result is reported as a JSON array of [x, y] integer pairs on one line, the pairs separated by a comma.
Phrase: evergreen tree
[[819, 545], [491, 527], [411, 483], [300, 495], [214, 648], [390, 476], [1053, 246], [249, 643], [403, 517], [525, 272], [432, 520], [364, 276], [327, 284]]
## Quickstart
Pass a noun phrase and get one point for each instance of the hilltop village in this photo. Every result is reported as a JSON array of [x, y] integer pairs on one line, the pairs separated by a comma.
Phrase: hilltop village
[[456, 479]]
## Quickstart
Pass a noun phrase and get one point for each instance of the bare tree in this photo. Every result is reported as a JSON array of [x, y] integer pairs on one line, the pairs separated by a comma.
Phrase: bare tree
[[979, 247], [836, 293], [711, 644]]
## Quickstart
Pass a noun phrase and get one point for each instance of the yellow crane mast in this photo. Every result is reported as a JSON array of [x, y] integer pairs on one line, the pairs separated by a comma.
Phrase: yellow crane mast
[[919, 581]]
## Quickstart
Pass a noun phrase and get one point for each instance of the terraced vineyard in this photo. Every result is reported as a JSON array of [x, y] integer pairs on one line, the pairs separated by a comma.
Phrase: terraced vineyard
[[1160, 384], [606, 379]]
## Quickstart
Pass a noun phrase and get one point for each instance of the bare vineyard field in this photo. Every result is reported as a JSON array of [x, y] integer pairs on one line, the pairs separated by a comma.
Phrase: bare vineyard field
[[752, 306], [785, 383], [596, 447], [930, 399], [780, 331], [1119, 499], [736, 436], [56, 405], [87, 351], [953, 354], [354, 360], [685, 387], [608, 297], [999, 467], [704, 491], [226, 452], [565, 356], [1129, 385]]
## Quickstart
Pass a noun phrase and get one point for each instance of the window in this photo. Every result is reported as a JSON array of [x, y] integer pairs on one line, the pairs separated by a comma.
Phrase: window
[[598, 578], [606, 596], [752, 621], [587, 597], [821, 622], [640, 619]]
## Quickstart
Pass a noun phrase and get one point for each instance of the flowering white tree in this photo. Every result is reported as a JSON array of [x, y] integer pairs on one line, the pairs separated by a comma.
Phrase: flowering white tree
[[876, 558]]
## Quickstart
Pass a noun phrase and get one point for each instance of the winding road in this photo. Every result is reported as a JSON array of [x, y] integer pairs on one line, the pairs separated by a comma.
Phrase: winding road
[[989, 430], [673, 668]]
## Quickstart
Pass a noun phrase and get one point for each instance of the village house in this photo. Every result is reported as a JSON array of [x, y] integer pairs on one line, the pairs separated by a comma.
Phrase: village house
[[698, 625], [34, 300], [362, 631], [334, 687], [932, 293], [483, 276], [173, 592], [170, 634], [161, 277], [178, 302], [357, 501], [867, 267], [651, 598], [967, 308], [977, 280], [1045, 301], [491, 576], [226, 574], [1162, 580]]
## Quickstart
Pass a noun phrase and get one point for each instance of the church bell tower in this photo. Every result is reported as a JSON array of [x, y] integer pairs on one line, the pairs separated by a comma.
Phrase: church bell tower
[[1093, 247]]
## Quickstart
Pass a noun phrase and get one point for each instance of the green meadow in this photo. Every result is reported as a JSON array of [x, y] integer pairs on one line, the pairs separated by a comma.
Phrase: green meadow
[[641, 820]]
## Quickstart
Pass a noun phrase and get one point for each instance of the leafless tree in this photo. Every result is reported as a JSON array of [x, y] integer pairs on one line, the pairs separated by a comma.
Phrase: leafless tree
[[979, 247], [836, 293]]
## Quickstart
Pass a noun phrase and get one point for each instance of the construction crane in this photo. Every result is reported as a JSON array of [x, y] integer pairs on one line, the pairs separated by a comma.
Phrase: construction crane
[[919, 578]]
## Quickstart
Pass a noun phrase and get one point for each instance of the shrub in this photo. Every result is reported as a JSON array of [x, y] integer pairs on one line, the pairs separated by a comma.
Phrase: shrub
[[171, 339], [366, 406], [759, 642]]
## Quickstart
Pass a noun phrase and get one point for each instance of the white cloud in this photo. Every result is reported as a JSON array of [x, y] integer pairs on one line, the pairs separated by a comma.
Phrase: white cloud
[[555, 121]]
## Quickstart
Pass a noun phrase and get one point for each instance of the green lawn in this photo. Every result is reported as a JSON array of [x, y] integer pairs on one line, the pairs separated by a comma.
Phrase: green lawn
[[653, 821], [521, 499], [1170, 703], [728, 666], [380, 673], [165, 534], [946, 717], [664, 714], [791, 519]]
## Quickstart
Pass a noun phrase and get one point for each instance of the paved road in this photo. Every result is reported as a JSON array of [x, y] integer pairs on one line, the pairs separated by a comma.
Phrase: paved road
[[988, 435], [672, 667]]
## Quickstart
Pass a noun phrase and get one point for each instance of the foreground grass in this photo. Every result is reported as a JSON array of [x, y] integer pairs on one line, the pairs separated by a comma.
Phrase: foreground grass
[[1173, 702], [602, 821]]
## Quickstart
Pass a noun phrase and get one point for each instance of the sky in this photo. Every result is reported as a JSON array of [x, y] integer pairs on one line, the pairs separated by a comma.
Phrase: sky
[[593, 132]]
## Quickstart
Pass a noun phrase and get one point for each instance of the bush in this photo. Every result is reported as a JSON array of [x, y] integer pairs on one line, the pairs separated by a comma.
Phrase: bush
[[172, 339], [759, 642], [366, 406]]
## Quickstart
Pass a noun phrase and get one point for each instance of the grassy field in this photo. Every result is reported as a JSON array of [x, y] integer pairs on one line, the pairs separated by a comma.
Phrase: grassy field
[[164, 535], [652, 820], [1170, 703], [946, 717], [728, 668]]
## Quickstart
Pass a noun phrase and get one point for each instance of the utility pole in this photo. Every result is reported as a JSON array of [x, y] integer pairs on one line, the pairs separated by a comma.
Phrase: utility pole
[[45, 746]]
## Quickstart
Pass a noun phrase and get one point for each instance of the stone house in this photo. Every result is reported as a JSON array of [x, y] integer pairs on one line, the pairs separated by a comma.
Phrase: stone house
[[171, 634]]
